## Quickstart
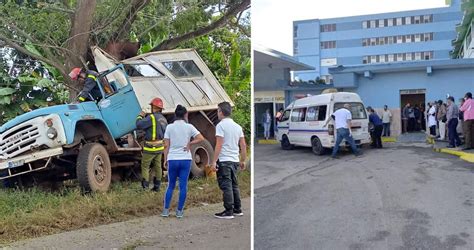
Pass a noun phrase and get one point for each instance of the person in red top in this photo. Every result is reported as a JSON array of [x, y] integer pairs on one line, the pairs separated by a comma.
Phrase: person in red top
[[468, 112]]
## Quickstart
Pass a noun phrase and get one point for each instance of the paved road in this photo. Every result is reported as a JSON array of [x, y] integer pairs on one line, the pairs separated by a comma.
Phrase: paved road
[[400, 197], [197, 230]]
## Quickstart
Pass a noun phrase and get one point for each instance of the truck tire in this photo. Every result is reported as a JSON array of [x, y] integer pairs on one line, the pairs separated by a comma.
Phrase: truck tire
[[93, 168], [285, 143], [202, 154], [317, 147]]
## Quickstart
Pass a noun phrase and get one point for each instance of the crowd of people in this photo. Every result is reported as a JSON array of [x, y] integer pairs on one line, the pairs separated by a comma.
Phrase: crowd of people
[[446, 120], [173, 142]]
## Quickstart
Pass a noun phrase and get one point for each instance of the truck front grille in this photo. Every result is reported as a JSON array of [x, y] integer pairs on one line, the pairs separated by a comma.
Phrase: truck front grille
[[13, 143]]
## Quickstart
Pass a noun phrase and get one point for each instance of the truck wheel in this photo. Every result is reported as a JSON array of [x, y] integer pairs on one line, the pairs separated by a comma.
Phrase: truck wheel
[[285, 143], [202, 155], [317, 147], [93, 169]]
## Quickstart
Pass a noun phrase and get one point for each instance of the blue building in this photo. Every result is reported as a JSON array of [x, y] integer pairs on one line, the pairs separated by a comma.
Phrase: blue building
[[416, 35]]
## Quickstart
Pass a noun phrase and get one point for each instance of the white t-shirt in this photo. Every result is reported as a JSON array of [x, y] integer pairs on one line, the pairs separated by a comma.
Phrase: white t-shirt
[[180, 133], [342, 116], [386, 115], [231, 132]]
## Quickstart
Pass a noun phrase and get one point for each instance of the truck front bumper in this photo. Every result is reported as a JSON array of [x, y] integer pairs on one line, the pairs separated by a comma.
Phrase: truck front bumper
[[9, 164]]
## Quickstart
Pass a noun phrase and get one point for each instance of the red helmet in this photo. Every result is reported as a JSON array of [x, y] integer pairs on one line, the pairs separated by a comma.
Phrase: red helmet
[[75, 72], [157, 102]]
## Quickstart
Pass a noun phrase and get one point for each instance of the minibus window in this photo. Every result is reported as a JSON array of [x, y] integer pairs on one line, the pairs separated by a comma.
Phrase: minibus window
[[298, 115], [316, 113], [285, 116], [357, 109]]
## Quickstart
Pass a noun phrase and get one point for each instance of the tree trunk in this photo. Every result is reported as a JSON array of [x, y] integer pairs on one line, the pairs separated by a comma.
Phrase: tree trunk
[[79, 39]]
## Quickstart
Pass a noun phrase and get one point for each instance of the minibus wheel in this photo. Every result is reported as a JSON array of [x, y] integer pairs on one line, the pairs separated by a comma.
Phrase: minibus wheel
[[285, 143], [316, 146]]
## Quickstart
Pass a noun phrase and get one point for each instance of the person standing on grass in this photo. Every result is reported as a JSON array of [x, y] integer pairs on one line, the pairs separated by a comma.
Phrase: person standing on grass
[[179, 137], [432, 119], [468, 113], [452, 116], [229, 136], [342, 123], [386, 119], [154, 125], [377, 132]]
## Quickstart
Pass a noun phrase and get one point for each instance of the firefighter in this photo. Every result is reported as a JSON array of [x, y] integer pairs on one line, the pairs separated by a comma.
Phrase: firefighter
[[90, 91], [154, 125]]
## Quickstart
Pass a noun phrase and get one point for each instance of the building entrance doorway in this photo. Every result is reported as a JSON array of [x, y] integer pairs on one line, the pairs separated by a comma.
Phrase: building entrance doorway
[[260, 109], [413, 116]]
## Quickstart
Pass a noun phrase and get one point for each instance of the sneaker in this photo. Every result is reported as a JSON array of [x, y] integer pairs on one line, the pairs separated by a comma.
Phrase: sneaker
[[450, 146], [334, 157], [179, 213], [165, 213], [238, 212], [358, 153], [224, 215]]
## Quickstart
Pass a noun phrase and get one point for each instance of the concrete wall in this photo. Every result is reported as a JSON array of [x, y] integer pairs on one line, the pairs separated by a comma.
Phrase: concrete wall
[[271, 79]]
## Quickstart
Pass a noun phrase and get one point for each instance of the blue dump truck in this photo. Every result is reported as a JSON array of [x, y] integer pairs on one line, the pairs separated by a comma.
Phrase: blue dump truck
[[86, 141]]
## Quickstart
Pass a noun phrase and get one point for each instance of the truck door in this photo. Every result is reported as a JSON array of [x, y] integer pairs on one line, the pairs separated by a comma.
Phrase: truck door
[[120, 106]]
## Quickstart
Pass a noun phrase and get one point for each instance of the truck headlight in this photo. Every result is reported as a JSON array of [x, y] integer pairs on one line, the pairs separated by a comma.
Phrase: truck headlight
[[52, 133]]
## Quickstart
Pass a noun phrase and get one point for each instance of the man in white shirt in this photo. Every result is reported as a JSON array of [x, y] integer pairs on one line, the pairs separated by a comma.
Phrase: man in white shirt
[[342, 123], [386, 119], [229, 136]]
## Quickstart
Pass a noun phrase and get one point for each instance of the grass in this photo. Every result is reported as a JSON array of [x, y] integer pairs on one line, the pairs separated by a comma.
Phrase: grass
[[34, 213]]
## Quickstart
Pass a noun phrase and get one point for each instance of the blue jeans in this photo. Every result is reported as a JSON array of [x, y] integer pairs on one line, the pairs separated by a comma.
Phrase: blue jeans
[[177, 169], [266, 130], [386, 129], [454, 139], [343, 133]]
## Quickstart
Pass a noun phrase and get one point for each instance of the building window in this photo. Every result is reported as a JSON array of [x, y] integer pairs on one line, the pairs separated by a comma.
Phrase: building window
[[372, 24], [399, 21], [408, 39], [390, 58], [418, 56], [427, 18], [399, 39], [295, 31], [328, 27], [295, 47], [390, 39], [408, 20], [381, 23], [364, 25], [382, 58], [381, 41], [399, 57], [373, 59], [408, 57], [328, 45], [364, 42], [365, 60], [373, 42], [390, 22], [417, 38], [417, 19]]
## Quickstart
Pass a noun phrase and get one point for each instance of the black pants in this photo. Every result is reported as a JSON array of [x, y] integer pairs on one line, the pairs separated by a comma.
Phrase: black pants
[[377, 136], [433, 130], [454, 139], [411, 124], [227, 179]]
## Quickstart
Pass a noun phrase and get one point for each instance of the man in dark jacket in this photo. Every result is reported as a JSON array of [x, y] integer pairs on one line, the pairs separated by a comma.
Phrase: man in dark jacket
[[376, 133], [90, 90], [154, 125]]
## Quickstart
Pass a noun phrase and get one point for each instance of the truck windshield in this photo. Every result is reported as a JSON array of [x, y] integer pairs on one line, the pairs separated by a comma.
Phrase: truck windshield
[[357, 109], [183, 69]]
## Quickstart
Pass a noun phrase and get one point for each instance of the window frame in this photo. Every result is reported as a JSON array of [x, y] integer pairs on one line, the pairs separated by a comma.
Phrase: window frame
[[187, 76], [317, 116]]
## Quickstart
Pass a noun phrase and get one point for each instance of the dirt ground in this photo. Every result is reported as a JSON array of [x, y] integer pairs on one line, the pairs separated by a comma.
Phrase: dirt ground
[[197, 230]]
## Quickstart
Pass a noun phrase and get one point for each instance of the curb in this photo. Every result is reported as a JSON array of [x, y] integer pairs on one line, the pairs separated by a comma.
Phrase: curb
[[389, 139], [268, 142], [463, 155]]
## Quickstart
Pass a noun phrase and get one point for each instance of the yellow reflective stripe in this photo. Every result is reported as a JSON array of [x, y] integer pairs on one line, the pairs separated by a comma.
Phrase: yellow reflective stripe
[[92, 76], [153, 124], [154, 149], [82, 99]]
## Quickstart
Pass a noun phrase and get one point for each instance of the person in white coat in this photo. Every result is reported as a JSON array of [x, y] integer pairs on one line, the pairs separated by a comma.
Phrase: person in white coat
[[432, 119]]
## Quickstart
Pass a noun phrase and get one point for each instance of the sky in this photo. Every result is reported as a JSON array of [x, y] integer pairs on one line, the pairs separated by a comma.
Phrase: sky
[[272, 20]]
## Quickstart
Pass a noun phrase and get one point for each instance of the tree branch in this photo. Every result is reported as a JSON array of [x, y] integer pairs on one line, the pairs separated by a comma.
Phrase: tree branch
[[35, 56], [124, 30], [221, 22]]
